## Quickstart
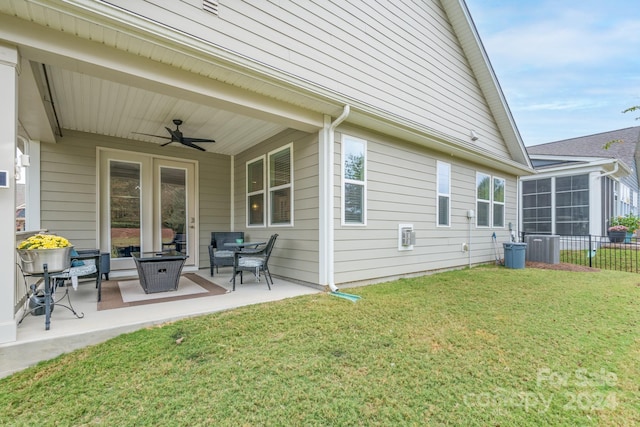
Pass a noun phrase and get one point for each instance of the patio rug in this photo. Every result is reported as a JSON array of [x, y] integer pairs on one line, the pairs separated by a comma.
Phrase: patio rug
[[129, 293]]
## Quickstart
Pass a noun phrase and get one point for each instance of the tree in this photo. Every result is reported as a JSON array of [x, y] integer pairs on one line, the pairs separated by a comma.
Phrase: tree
[[615, 141]]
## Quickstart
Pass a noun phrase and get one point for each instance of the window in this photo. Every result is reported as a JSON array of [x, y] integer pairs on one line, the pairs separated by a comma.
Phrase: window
[[280, 186], [490, 201], [483, 199], [444, 193], [572, 205], [498, 202], [536, 206], [354, 177], [255, 192]]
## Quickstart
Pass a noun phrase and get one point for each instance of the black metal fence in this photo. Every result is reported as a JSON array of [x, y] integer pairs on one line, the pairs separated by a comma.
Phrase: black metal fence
[[601, 252]]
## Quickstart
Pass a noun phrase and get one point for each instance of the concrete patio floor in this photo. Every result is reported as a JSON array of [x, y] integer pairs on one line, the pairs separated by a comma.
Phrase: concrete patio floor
[[68, 333]]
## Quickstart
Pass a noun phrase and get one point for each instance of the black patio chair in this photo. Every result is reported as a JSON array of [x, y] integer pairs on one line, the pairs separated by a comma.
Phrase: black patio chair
[[219, 254], [178, 243], [255, 261], [92, 260]]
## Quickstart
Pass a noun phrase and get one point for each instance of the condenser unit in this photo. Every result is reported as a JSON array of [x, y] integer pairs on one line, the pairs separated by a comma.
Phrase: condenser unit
[[543, 248]]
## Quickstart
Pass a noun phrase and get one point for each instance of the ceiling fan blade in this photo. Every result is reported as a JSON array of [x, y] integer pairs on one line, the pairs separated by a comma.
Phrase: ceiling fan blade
[[185, 139], [167, 143], [175, 135], [150, 134], [188, 144]]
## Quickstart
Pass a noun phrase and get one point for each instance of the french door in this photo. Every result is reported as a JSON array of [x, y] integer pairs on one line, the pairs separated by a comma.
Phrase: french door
[[147, 204]]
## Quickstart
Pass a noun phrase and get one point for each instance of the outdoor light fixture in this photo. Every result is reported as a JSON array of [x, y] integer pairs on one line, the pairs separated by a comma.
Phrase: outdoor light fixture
[[474, 135]]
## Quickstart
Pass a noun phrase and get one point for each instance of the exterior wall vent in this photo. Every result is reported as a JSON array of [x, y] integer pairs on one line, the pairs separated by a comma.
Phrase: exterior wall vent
[[406, 237], [210, 6]]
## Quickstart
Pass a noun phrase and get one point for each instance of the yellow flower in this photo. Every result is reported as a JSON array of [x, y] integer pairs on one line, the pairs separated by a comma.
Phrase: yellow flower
[[44, 241]]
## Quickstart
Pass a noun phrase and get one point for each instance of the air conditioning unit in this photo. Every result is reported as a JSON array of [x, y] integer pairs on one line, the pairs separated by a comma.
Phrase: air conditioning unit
[[542, 248]]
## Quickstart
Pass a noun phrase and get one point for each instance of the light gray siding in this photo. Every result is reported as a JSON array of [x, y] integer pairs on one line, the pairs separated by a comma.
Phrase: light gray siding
[[296, 252], [69, 187], [401, 57], [401, 188]]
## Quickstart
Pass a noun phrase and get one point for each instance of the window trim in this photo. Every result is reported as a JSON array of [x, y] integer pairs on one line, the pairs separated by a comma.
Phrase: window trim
[[494, 202], [346, 181], [257, 192], [478, 200], [491, 202], [280, 187], [440, 163]]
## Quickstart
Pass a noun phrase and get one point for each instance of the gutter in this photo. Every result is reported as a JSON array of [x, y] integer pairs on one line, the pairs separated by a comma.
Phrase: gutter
[[615, 169], [330, 202]]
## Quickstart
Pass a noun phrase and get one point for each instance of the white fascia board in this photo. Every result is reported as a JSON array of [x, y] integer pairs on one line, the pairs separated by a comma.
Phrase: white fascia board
[[462, 23], [600, 165]]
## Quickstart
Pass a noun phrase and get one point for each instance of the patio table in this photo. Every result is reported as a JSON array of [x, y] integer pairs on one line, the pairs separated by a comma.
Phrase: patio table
[[49, 300], [159, 271], [244, 244]]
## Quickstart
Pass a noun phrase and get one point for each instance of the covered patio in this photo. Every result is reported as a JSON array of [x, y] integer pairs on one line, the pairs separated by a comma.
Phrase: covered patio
[[86, 110], [67, 332]]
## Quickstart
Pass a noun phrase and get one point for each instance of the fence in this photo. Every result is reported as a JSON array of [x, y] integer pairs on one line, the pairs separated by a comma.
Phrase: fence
[[600, 252]]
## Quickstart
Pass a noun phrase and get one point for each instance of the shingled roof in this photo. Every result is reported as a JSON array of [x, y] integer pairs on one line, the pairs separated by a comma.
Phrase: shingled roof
[[594, 146], [623, 144]]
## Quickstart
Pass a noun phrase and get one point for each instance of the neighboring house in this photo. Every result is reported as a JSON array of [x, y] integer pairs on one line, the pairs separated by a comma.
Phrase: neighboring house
[[581, 183], [341, 126]]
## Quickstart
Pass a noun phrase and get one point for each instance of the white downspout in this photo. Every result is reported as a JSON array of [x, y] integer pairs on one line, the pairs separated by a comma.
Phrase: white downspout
[[615, 169], [330, 205]]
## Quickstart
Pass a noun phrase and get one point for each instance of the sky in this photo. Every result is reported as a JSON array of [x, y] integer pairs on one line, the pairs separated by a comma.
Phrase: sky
[[567, 68]]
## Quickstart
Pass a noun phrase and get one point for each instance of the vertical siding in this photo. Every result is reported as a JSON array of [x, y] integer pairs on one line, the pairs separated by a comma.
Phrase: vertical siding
[[401, 188], [296, 252], [402, 57], [69, 187]]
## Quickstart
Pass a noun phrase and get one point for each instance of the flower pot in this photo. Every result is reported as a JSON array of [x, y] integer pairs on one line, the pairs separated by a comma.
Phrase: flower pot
[[33, 260], [617, 236]]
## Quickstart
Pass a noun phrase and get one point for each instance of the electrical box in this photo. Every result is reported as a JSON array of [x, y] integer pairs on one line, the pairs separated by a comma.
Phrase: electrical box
[[471, 214], [406, 237]]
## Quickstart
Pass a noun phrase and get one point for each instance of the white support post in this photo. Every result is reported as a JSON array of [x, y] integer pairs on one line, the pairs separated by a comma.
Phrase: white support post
[[8, 133]]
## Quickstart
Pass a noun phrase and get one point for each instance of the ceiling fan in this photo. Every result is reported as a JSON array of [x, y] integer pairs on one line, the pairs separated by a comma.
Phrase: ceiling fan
[[176, 136]]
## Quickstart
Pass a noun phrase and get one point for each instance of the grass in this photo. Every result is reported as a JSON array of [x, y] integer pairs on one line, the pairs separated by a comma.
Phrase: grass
[[486, 346], [621, 258]]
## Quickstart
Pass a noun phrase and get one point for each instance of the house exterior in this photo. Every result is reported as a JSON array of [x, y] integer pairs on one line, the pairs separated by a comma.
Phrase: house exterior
[[373, 138], [581, 183]]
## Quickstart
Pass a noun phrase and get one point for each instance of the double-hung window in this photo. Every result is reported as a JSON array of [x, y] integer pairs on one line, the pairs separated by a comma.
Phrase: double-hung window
[[354, 181], [255, 192], [270, 188], [444, 193], [281, 186], [498, 202], [490, 201]]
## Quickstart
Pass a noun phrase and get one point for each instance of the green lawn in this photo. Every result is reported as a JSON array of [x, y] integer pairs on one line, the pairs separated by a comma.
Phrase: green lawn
[[486, 346], [620, 258]]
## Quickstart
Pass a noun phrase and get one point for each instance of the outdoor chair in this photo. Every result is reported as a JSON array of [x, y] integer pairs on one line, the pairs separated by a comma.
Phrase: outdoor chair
[[255, 261], [219, 254], [86, 264], [179, 240]]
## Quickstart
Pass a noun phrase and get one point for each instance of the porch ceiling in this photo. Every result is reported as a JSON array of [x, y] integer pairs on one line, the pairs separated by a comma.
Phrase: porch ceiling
[[103, 76], [91, 104]]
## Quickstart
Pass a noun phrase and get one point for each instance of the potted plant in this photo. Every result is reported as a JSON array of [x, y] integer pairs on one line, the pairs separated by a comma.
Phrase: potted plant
[[617, 233], [630, 221], [40, 249]]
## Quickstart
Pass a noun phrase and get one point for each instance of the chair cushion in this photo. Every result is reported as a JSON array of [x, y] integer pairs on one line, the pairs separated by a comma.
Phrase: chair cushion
[[250, 262], [75, 262], [224, 254]]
